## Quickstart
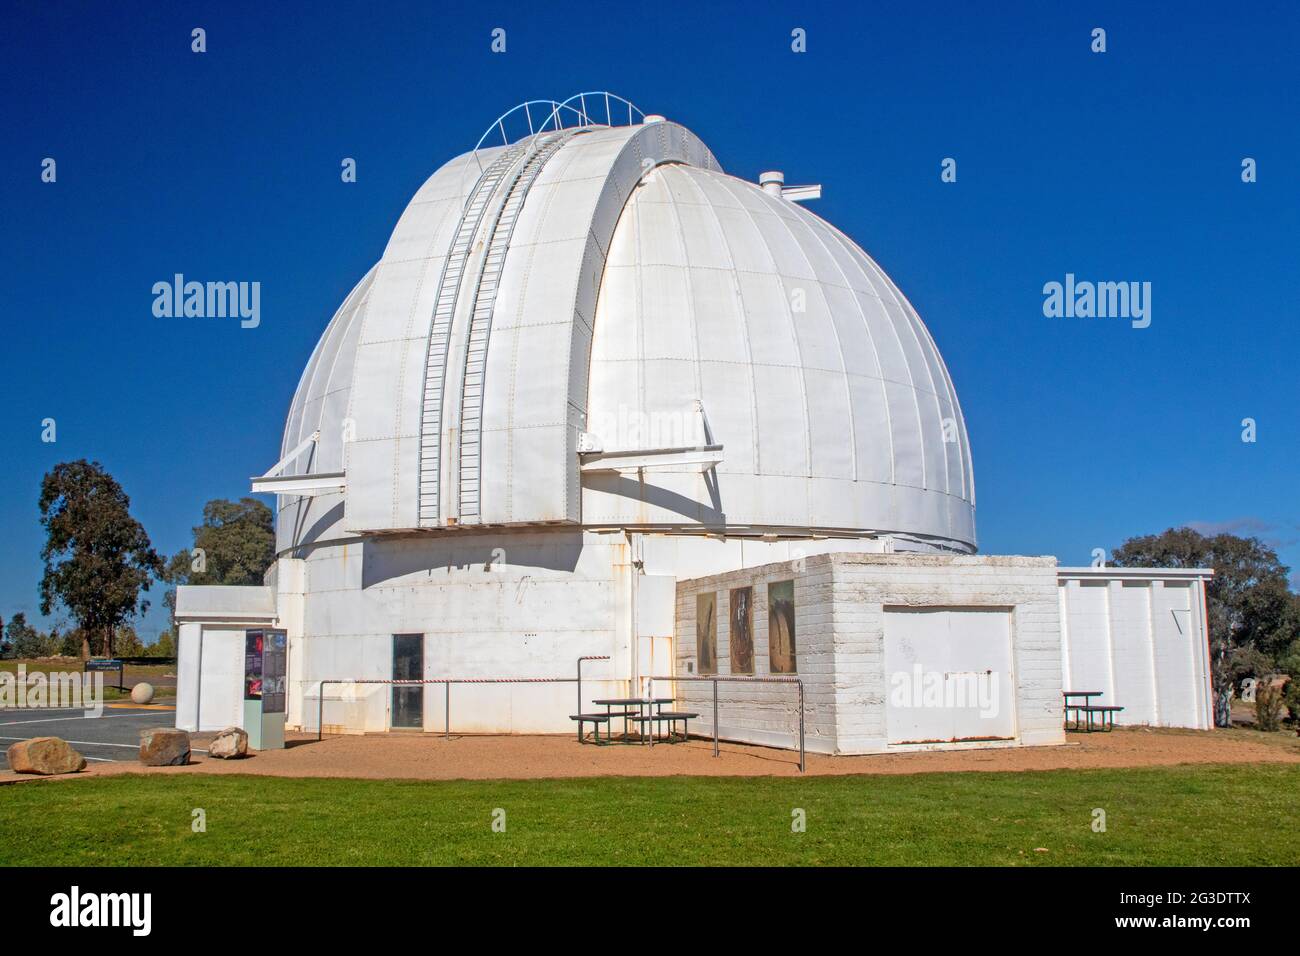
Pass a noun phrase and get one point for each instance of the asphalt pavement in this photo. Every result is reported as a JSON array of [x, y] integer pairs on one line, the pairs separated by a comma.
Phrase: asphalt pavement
[[114, 735]]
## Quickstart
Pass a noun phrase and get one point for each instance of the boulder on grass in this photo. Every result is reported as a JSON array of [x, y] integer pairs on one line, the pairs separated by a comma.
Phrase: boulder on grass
[[164, 747], [229, 744], [45, 756]]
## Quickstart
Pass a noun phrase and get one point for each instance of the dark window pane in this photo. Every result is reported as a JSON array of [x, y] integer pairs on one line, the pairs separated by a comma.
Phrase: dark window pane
[[408, 664]]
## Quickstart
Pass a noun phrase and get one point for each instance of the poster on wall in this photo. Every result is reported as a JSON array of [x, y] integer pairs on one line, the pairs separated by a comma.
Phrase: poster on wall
[[740, 637], [273, 672], [780, 627], [253, 665], [706, 632]]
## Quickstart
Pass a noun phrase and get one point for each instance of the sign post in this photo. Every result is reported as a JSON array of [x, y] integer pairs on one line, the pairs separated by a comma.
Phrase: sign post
[[264, 688], [106, 664]]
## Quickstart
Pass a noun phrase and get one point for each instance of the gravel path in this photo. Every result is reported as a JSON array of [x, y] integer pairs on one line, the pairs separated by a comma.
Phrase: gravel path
[[430, 757]]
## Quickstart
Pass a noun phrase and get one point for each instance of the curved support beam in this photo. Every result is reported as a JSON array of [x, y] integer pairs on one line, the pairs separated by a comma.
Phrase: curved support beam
[[700, 458], [307, 486]]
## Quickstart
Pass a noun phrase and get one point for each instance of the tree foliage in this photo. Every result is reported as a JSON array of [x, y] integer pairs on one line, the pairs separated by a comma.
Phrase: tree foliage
[[98, 559], [71, 642], [237, 540], [165, 646], [234, 545], [26, 642], [128, 644], [1254, 618]]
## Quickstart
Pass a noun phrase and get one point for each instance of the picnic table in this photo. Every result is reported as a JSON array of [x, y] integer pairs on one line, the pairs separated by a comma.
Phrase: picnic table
[[1085, 713], [1087, 696], [648, 711]]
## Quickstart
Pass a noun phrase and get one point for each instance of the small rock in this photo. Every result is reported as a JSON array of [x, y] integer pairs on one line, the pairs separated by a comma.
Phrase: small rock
[[229, 744], [45, 756], [142, 693], [164, 747]]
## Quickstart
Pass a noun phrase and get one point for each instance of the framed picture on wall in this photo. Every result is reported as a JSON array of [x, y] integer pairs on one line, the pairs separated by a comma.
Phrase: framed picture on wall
[[706, 632], [780, 627], [741, 633]]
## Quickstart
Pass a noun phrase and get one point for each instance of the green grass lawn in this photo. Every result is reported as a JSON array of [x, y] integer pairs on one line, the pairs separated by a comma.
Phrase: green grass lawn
[[1210, 815]]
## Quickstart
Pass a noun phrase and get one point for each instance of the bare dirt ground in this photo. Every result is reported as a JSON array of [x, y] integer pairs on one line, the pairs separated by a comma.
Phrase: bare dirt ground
[[430, 757]]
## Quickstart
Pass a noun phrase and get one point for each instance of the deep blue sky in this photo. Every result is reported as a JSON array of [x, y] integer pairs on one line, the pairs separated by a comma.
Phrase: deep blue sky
[[1120, 166]]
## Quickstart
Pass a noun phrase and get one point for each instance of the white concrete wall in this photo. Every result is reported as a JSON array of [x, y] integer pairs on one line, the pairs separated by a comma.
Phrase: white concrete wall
[[764, 713], [519, 604], [212, 622], [866, 584], [1139, 637], [529, 603], [188, 676], [840, 602], [524, 603], [210, 676], [289, 579]]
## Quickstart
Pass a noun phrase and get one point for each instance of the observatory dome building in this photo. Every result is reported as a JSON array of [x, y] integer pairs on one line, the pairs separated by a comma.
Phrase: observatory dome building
[[550, 317], [591, 366]]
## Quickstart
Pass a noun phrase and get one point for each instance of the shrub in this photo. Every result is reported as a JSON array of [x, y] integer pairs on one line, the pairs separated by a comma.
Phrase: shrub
[[28, 643], [1268, 705], [1292, 697]]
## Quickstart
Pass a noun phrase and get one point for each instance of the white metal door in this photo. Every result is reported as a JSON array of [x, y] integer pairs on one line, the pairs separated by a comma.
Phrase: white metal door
[[948, 675], [916, 643], [980, 663]]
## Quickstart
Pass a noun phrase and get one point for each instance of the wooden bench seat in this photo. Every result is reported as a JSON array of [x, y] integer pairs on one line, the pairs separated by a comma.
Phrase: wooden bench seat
[[1106, 712], [595, 720], [672, 716]]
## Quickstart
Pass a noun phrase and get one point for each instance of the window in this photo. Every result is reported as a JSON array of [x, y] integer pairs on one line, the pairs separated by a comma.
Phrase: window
[[408, 664], [780, 628], [740, 636], [706, 632]]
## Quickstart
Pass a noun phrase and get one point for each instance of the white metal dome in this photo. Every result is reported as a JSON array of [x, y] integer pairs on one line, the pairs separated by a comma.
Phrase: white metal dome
[[538, 297]]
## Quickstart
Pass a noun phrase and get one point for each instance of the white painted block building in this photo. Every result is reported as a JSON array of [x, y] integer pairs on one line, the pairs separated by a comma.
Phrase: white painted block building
[[591, 365], [896, 652], [1139, 636]]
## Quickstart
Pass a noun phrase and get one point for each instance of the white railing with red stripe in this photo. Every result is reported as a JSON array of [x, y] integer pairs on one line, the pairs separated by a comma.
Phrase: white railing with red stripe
[[447, 682]]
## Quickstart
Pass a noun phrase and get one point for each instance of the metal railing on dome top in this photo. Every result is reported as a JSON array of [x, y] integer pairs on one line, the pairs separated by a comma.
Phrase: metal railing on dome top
[[581, 111]]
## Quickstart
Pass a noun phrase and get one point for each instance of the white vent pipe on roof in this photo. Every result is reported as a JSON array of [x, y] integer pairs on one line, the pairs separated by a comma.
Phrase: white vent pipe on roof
[[772, 182]]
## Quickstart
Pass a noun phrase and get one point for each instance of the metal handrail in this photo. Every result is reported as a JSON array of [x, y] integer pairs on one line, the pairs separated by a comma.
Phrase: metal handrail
[[447, 682], [741, 680], [594, 657]]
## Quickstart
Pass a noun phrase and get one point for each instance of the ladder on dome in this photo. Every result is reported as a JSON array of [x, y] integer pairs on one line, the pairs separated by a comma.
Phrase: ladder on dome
[[440, 331], [471, 419]]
